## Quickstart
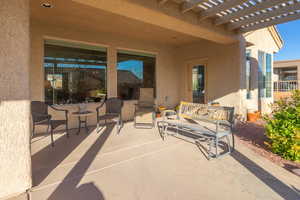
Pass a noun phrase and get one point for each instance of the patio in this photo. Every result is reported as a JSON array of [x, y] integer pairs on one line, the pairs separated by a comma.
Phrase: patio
[[138, 164]]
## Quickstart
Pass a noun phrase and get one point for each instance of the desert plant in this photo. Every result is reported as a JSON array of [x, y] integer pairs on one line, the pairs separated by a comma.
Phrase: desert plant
[[283, 127]]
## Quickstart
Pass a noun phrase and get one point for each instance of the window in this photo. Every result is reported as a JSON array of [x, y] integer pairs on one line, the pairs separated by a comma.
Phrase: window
[[74, 73], [268, 75], [265, 74], [248, 73], [135, 70]]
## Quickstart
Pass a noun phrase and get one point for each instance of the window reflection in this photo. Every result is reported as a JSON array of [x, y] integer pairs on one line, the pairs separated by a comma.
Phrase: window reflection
[[134, 71], [74, 74]]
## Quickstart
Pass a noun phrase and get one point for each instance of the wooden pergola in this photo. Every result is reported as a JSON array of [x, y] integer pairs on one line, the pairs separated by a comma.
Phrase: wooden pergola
[[241, 15]]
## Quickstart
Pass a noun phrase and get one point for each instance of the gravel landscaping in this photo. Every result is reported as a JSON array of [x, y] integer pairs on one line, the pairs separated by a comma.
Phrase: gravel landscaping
[[252, 135]]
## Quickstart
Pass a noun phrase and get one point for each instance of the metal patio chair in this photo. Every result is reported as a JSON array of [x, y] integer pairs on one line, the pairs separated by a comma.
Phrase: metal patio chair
[[144, 112], [40, 116], [113, 111]]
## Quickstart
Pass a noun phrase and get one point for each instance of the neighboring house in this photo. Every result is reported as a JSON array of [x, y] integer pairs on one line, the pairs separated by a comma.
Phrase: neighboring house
[[163, 42], [286, 78], [261, 46]]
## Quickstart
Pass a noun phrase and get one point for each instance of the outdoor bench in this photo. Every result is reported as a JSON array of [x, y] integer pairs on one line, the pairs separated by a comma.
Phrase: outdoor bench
[[212, 124]]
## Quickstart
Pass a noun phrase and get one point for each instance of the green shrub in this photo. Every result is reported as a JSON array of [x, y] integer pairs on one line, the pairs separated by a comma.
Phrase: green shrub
[[283, 128]]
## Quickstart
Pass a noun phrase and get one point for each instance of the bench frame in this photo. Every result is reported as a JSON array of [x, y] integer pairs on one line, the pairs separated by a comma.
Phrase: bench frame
[[190, 111]]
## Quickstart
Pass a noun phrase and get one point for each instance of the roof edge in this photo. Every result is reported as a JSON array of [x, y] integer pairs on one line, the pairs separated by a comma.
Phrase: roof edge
[[276, 36], [287, 61]]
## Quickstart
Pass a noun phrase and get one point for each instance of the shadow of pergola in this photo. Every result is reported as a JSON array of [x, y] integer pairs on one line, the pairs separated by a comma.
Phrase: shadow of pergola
[[68, 187], [283, 190]]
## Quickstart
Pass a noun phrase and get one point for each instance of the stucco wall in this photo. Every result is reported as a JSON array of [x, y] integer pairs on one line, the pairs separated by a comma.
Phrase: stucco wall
[[166, 67], [223, 65], [15, 166], [262, 40]]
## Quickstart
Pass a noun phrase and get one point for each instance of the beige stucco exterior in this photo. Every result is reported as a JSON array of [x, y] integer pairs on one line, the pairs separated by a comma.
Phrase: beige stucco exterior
[[171, 66], [178, 41], [222, 66], [15, 162], [295, 65], [268, 41], [166, 70], [289, 63]]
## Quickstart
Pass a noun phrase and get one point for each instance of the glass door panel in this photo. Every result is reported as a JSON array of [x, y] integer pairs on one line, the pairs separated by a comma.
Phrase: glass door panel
[[198, 84]]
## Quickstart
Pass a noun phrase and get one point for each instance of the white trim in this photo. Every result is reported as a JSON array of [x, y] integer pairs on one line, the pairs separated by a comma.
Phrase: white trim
[[191, 63], [47, 37], [196, 60], [136, 50]]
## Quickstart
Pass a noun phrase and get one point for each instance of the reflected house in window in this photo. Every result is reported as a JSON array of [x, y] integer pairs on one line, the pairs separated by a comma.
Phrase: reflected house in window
[[135, 71], [77, 73]]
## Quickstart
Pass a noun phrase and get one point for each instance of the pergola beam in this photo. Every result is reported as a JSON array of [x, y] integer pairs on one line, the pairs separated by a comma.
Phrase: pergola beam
[[251, 9], [221, 7], [162, 2], [190, 4], [271, 22], [280, 11]]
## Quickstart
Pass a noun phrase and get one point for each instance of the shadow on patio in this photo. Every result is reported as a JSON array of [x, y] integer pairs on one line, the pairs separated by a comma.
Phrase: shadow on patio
[[67, 188], [283, 190], [138, 165]]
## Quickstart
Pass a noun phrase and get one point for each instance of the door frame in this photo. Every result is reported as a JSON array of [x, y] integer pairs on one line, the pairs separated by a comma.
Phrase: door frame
[[189, 80]]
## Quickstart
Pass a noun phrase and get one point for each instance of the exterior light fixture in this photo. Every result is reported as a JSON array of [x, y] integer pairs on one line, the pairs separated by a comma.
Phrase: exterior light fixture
[[47, 5]]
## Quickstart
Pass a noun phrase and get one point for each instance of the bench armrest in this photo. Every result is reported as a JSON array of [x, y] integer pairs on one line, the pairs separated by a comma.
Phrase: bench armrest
[[167, 113]]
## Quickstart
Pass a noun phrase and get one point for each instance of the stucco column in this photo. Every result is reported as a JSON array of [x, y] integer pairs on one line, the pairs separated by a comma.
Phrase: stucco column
[[15, 167], [112, 72], [241, 58]]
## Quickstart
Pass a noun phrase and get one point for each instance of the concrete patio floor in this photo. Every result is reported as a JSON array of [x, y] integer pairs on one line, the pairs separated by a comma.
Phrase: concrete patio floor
[[138, 164]]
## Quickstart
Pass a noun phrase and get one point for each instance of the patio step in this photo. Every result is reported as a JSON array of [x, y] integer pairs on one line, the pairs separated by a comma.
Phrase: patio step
[[91, 163]]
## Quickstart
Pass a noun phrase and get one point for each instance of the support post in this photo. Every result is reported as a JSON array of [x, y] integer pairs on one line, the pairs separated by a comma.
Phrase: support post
[[15, 170], [112, 72]]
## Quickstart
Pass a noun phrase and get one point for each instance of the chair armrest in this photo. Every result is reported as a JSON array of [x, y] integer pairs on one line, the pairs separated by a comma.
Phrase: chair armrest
[[34, 114], [38, 117], [100, 106], [166, 113], [60, 110]]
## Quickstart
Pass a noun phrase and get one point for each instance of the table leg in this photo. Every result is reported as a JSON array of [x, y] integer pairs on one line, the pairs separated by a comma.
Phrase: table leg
[[79, 125], [86, 126]]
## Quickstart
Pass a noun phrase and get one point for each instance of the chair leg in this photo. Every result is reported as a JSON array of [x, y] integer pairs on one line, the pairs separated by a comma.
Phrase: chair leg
[[97, 128], [33, 130], [52, 140], [165, 130], [134, 121], [118, 126], [210, 154], [228, 144], [153, 120], [233, 142], [67, 130], [47, 132], [217, 143]]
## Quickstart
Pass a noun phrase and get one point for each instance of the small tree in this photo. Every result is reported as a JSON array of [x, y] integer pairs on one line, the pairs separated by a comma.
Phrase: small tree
[[283, 127]]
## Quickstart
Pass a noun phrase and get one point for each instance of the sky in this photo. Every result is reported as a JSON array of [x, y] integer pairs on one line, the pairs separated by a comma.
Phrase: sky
[[135, 66], [290, 33]]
